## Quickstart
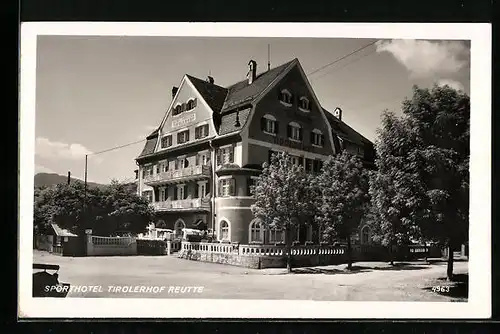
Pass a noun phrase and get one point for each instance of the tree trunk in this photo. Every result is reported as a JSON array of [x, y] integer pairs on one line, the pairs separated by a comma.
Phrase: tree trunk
[[288, 250], [449, 269], [349, 253]]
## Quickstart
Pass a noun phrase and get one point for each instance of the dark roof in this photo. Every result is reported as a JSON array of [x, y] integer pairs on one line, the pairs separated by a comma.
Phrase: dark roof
[[214, 95], [344, 131], [149, 147], [242, 92], [228, 121]]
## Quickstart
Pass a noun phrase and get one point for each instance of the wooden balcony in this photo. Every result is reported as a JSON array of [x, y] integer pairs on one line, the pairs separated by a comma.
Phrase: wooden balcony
[[196, 204], [192, 173]]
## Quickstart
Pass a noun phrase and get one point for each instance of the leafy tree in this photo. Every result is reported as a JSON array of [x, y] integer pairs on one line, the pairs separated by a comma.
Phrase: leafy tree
[[422, 183], [441, 117], [344, 196], [395, 188], [105, 210], [283, 198]]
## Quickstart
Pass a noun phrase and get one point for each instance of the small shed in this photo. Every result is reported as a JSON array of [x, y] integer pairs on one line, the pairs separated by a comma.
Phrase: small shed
[[59, 241]]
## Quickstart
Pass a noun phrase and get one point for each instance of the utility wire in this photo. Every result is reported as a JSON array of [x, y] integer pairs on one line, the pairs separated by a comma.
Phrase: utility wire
[[341, 67], [342, 58], [117, 147]]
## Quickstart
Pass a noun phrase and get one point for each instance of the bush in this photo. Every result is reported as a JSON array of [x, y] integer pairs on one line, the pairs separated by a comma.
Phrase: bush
[[151, 247], [194, 237]]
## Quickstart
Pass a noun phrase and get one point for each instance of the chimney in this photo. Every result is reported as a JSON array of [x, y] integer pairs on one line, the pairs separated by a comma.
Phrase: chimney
[[174, 91], [252, 71], [210, 79], [338, 113]]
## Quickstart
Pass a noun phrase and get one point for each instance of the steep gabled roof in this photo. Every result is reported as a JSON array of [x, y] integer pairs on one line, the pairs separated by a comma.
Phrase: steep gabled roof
[[213, 94], [242, 92], [344, 131]]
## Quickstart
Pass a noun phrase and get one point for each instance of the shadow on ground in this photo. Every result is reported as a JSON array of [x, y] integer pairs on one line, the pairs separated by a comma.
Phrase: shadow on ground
[[358, 269], [458, 286]]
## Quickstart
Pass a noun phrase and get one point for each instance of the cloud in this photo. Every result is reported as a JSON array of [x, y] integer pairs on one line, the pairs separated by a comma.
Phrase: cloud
[[452, 83], [57, 150], [425, 58]]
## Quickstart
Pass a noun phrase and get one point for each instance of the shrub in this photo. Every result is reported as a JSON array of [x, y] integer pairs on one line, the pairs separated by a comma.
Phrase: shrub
[[194, 237]]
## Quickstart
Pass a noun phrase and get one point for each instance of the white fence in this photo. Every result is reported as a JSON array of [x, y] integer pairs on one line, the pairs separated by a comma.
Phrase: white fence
[[111, 246]]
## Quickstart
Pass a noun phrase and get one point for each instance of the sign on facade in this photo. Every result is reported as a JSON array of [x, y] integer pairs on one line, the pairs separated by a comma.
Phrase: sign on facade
[[176, 123]]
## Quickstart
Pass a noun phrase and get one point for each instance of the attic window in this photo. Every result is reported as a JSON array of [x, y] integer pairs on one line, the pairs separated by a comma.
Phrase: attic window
[[294, 131], [304, 104], [286, 97], [317, 138], [269, 124], [191, 104], [177, 110]]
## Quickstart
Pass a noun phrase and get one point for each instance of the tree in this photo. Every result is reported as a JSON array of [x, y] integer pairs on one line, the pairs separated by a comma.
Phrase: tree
[[441, 117], [105, 210], [395, 188], [422, 183], [283, 198], [343, 182]]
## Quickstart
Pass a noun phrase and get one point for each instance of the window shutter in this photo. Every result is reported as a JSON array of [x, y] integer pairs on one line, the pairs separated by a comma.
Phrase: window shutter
[[263, 123], [232, 186], [219, 157], [207, 187], [276, 127], [205, 127], [183, 107], [300, 133], [312, 138], [187, 135], [185, 191], [197, 132], [231, 154], [219, 192], [197, 160], [289, 131]]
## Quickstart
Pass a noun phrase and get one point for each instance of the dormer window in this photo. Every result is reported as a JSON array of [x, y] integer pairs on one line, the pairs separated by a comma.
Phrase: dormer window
[[294, 131], [269, 124], [286, 97], [317, 138], [304, 104], [166, 141]]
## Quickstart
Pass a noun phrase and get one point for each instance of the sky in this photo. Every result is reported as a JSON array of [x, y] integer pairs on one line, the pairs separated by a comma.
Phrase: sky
[[94, 93]]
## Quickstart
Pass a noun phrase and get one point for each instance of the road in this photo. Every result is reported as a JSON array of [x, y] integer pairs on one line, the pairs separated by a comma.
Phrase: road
[[370, 281]]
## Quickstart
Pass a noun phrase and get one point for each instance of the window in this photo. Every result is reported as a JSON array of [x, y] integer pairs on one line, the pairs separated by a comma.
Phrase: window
[[148, 195], [166, 141], [294, 131], [285, 97], [148, 170], [304, 104], [202, 159], [191, 104], [226, 187], [317, 138], [163, 194], [181, 192], [256, 231], [276, 235], [177, 110], [269, 124], [225, 155], [201, 131], [183, 137], [164, 167], [202, 189], [224, 230]]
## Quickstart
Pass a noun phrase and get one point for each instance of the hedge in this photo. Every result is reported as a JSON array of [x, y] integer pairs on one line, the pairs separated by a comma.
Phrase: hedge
[[151, 247]]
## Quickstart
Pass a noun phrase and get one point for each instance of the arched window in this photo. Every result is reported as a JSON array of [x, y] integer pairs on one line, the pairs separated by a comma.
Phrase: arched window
[[286, 97], [294, 131], [317, 137], [224, 230], [177, 110], [161, 224], [365, 235], [178, 226], [269, 124], [304, 104], [190, 104], [256, 231]]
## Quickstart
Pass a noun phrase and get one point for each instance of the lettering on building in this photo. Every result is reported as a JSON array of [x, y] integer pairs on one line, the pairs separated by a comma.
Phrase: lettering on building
[[176, 123], [292, 144]]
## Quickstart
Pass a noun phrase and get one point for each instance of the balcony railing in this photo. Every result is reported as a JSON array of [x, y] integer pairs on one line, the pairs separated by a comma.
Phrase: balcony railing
[[196, 203], [193, 172]]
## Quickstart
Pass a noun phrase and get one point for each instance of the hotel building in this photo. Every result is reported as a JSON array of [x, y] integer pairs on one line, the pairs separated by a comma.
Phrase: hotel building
[[198, 165]]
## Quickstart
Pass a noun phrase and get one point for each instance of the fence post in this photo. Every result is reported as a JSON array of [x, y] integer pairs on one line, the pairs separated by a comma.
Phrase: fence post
[[169, 247]]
